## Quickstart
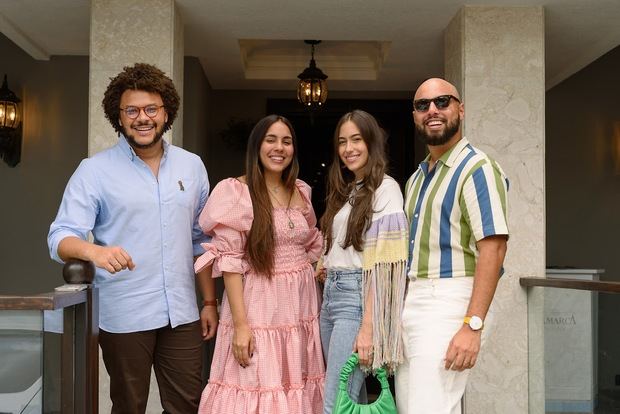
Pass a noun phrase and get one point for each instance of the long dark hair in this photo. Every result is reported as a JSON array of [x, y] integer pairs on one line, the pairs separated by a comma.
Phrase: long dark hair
[[261, 240], [341, 182]]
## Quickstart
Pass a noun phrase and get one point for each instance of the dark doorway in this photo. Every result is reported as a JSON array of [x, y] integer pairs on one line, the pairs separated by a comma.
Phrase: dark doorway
[[315, 131]]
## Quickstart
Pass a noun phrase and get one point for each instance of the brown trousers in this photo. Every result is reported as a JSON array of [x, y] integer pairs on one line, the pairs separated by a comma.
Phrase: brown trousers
[[176, 357]]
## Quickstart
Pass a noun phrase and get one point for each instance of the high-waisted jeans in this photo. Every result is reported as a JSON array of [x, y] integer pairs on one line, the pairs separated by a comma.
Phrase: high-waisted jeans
[[341, 318]]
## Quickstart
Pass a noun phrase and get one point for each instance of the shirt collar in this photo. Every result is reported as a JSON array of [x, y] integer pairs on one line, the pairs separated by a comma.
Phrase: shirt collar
[[129, 151], [166, 147], [449, 157]]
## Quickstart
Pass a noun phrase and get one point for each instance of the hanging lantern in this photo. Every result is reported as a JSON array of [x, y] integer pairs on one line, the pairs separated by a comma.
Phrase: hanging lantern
[[8, 107], [10, 126], [312, 88]]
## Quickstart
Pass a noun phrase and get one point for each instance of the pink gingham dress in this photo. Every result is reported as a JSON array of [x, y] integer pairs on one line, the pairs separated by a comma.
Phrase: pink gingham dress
[[286, 373]]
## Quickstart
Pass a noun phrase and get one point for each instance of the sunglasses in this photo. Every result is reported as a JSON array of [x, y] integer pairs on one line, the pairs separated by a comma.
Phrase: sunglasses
[[441, 102]]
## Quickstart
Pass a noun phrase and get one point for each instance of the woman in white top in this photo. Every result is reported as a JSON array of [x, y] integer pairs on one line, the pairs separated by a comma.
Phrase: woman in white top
[[365, 257]]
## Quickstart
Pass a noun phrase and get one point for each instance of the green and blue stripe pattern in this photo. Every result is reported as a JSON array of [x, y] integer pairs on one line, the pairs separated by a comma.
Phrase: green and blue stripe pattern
[[462, 200]]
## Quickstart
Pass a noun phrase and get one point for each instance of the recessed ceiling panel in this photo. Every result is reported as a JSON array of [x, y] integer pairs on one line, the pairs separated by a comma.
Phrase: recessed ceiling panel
[[339, 60]]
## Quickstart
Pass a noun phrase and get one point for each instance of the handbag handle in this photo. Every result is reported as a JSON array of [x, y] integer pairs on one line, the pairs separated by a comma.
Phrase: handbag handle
[[349, 366]]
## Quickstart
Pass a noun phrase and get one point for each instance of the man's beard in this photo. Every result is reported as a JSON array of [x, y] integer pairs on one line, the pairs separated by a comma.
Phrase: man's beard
[[451, 129], [159, 133]]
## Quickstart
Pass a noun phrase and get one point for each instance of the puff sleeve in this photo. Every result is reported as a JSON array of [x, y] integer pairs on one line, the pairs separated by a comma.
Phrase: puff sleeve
[[227, 218]]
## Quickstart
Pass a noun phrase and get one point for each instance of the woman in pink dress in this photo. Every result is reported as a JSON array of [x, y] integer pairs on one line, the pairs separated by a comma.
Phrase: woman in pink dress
[[268, 351]]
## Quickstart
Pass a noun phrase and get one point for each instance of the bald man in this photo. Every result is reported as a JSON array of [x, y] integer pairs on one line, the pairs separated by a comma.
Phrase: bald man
[[456, 206]]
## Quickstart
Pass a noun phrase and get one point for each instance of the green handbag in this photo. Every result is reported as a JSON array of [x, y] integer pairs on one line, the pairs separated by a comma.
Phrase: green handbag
[[383, 405]]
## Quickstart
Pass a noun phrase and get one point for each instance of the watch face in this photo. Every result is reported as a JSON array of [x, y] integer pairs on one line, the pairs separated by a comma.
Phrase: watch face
[[475, 323]]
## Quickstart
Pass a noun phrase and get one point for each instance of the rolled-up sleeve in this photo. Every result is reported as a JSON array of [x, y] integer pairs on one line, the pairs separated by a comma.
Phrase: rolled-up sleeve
[[78, 209]]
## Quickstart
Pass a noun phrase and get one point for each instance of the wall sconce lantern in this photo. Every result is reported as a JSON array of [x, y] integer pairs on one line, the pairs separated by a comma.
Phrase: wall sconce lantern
[[312, 88], [10, 126]]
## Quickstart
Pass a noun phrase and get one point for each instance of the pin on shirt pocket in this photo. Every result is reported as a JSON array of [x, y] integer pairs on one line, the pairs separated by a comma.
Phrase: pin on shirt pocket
[[183, 192]]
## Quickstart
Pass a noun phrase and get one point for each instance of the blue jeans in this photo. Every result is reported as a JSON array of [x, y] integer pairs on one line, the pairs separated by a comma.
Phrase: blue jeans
[[341, 317]]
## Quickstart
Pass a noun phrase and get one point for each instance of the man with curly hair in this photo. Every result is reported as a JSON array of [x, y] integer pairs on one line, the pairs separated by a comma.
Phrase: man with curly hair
[[141, 200]]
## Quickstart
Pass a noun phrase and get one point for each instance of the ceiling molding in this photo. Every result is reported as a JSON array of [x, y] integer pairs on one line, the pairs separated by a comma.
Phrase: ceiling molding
[[584, 59], [20, 39], [576, 33], [339, 60]]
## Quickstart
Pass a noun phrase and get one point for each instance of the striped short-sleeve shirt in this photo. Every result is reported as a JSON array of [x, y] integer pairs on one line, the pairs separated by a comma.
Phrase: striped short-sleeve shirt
[[460, 201]]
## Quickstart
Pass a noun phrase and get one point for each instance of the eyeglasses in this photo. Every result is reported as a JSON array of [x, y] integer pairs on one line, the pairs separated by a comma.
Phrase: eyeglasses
[[133, 112], [441, 102]]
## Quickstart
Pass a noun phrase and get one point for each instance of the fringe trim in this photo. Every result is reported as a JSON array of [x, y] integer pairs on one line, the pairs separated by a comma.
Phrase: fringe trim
[[388, 282]]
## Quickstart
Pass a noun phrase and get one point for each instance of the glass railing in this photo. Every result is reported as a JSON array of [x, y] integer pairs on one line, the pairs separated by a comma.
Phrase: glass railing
[[21, 361], [49, 352], [574, 345]]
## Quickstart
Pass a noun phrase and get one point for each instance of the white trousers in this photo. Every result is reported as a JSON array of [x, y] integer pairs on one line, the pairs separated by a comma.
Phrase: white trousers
[[433, 312]]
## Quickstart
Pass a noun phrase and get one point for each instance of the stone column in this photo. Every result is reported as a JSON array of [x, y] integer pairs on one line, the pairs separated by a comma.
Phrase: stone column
[[496, 58], [121, 34]]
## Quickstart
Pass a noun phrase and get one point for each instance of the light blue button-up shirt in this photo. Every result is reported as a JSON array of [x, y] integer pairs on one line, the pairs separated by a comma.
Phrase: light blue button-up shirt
[[115, 196]]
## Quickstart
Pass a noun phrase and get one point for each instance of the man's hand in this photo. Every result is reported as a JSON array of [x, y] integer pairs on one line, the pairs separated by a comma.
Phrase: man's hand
[[363, 344], [208, 321], [113, 259], [463, 349]]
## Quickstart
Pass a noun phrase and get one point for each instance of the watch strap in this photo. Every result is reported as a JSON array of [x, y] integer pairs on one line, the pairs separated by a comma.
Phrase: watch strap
[[467, 321]]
